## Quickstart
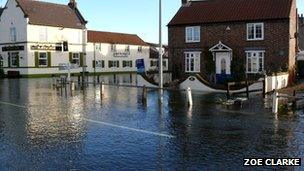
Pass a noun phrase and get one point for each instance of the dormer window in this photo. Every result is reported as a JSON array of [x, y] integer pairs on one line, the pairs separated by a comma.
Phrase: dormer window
[[127, 49], [113, 47], [255, 31], [193, 34]]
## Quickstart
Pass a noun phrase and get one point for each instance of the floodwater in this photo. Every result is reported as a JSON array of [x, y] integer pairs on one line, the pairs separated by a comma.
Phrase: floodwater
[[42, 128]]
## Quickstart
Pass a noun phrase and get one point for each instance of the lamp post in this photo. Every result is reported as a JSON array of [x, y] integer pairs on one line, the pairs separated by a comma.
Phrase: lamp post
[[160, 55]]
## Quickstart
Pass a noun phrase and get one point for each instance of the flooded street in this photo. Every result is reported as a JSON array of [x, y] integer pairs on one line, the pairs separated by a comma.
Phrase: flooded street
[[42, 129]]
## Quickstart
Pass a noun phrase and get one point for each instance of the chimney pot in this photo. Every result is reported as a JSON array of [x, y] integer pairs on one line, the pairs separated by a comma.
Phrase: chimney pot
[[185, 2], [73, 4]]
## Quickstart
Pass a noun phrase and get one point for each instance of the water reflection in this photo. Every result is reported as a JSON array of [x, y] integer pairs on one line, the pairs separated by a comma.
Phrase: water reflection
[[53, 132]]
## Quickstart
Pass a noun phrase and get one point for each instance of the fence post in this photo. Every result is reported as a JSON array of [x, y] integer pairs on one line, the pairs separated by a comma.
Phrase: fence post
[[98, 79], [294, 100], [189, 97], [78, 79], [275, 102], [144, 94]]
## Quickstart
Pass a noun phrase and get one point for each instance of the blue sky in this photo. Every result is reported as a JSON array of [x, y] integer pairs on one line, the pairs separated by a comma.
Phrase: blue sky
[[130, 16]]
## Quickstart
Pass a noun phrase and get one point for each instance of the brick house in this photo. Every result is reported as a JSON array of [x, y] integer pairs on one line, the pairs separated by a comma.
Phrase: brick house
[[258, 36]]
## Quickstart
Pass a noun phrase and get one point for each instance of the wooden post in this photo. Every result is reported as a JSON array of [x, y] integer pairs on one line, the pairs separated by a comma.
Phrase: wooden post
[[79, 79], [189, 97], [247, 89], [294, 100], [98, 79], [275, 102], [144, 94]]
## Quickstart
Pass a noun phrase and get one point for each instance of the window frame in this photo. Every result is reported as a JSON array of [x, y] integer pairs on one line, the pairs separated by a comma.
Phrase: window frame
[[78, 59], [254, 31], [13, 34], [126, 63], [257, 62], [115, 63], [46, 59], [13, 56], [188, 64], [193, 40], [113, 48], [139, 49]]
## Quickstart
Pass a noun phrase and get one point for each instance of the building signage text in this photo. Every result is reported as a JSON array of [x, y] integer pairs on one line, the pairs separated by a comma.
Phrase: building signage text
[[12, 48], [121, 54]]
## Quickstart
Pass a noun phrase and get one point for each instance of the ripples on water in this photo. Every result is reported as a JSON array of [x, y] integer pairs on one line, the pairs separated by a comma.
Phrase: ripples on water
[[50, 130]]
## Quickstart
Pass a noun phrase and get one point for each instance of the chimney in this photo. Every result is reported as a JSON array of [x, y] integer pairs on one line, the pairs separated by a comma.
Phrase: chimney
[[185, 2], [73, 4]]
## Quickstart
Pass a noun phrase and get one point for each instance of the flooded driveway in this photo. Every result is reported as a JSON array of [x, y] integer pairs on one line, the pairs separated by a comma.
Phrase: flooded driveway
[[45, 129]]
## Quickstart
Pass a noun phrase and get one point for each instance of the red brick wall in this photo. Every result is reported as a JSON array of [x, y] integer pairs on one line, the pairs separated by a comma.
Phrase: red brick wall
[[276, 43]]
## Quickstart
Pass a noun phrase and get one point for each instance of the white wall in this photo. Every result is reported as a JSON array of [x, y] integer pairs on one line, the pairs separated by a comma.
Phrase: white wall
[[12, 16], [48, 34]]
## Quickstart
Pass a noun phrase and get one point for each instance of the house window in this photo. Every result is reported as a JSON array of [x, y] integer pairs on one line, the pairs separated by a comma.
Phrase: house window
[[98, 47], [255, 31], [164, 64], [139, 49], [100, 64], [13, 34], [113, 64], [193, 34], [75, 59], [42, 59], [127, 49], [192, 61], [113, 47], [255, 61], [14, 59], [127, 64]]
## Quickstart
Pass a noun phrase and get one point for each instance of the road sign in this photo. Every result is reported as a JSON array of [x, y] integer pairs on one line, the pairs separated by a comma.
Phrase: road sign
[[140, 65]]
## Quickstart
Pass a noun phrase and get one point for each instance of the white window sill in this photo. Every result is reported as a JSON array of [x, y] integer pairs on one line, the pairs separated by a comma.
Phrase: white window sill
[[255, 39], [192, 71], [193, 41]]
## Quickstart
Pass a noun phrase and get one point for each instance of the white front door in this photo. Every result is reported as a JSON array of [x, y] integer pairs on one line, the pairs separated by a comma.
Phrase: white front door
[[223, 63]]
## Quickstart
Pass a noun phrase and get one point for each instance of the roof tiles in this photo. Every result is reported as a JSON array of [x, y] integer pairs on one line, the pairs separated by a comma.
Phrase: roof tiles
[[213, 11]]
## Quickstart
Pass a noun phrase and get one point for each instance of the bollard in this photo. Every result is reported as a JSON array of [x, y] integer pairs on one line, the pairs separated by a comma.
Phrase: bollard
[[144, 94], [275, 102], [265, 86], [98, 78], [101, 89], [72, 86], [189, 97]]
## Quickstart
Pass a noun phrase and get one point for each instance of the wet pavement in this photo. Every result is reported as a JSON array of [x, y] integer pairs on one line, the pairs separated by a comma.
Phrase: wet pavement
[[42, 128]]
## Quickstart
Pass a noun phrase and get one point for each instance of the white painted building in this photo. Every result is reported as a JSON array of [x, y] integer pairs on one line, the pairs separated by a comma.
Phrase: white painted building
[[115, 52], [37, 36]]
